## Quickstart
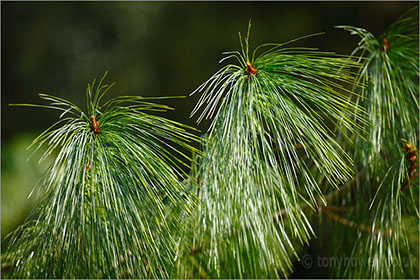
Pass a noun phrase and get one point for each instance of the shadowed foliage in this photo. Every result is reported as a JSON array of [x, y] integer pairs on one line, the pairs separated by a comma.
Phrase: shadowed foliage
[[377, 219]]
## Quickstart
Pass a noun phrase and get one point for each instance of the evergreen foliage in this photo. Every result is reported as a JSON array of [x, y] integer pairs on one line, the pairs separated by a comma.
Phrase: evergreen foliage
[[295, 133], [376, 222], [269, 129], [104, 209]]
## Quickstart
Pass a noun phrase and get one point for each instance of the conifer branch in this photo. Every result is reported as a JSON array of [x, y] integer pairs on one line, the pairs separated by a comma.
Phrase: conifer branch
[[105, 208], [390, 71], [262, 110]]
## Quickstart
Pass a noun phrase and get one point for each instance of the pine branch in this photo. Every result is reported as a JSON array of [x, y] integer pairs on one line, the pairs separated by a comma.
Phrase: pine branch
[[383, 201], [105, 207], [264, 108]]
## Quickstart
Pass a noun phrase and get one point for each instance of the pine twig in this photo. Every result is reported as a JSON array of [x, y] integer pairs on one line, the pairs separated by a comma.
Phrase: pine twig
[[352, 224]]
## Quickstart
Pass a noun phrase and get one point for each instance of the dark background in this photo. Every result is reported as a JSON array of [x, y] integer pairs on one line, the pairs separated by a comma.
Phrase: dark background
[[150, 49]]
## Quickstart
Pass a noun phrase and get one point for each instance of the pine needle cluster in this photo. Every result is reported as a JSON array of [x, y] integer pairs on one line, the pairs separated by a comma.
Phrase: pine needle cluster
[[268, 132], [103, 211], [382, 204]]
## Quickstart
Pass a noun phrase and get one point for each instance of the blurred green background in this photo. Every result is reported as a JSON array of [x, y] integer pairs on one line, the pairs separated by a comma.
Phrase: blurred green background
[[150, 49]]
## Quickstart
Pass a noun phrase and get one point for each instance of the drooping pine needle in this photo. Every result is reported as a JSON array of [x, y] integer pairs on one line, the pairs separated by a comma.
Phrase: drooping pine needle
[[262, 110], [105, 208]]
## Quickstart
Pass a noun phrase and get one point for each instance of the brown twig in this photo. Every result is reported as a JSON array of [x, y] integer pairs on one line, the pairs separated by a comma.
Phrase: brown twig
[[333, 216], [352, 224]]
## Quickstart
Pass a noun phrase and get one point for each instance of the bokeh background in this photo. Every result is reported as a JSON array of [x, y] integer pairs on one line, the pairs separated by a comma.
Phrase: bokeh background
[[149, 49]]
